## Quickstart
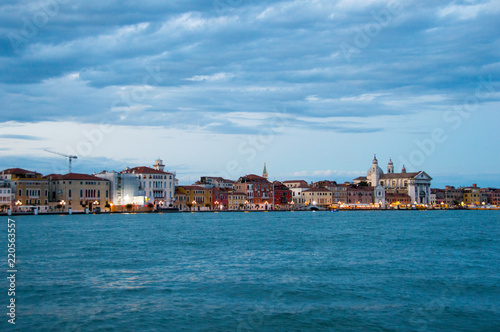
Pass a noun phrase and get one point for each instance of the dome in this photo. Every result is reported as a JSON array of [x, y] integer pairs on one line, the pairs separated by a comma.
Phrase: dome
[[375, 167]]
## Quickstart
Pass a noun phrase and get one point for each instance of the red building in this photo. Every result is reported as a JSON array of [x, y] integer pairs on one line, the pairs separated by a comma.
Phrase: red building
[[282, 195], [360, 195], [220, 198], [258, 189], [393, 198]]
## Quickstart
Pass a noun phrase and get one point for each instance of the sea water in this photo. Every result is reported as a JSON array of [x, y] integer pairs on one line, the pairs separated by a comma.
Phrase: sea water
[[276, 271]]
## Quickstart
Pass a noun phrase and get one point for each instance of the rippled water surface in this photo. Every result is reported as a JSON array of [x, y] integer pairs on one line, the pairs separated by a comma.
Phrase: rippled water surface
[[287, 271]]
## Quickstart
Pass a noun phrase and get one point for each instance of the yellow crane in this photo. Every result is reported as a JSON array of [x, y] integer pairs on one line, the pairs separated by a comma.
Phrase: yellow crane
[[64, 155]]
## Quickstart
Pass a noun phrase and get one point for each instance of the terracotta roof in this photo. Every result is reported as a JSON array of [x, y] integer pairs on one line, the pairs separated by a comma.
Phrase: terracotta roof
[[294, 181], [144, 170], [74, 176], [399, 175], [254, 177], [361, 178], [18, 171]]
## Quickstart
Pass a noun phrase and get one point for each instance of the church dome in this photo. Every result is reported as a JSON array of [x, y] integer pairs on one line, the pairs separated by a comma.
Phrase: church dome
[[375, 168]]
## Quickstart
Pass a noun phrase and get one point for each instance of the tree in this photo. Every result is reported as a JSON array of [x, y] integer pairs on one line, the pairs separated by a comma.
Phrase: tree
[[129, 206]]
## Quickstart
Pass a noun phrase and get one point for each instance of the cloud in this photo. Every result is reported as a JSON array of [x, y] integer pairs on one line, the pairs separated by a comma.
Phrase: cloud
[[214, 77], [21, 137], [224, 67]]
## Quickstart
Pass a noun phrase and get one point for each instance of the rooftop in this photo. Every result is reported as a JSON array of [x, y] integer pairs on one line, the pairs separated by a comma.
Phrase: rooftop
[[18, 171], [74, 176], [144, 170]]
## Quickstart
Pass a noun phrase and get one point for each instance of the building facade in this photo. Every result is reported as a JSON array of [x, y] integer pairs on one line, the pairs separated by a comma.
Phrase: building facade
[[78, 192], [237, 201], [6, 196], [125, 188], [197, 198], [158, 185], [318, 197], [258, 190], [417, 185], [30, 190], [283, 196]]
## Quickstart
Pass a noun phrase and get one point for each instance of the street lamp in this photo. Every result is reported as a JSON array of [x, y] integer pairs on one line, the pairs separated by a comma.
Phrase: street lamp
[[18, 204], [194, 205]]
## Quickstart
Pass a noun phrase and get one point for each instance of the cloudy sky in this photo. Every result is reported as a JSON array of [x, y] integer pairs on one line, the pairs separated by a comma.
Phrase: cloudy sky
[[218, 87]]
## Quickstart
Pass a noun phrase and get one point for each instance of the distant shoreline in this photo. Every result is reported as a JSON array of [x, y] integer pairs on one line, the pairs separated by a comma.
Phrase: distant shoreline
[[272, 211]]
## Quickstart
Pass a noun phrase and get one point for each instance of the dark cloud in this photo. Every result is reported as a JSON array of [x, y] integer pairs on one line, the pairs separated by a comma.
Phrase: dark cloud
[[135, 61]]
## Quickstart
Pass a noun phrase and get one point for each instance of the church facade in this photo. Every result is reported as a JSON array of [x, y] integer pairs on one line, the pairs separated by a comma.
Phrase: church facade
[[417, 185]]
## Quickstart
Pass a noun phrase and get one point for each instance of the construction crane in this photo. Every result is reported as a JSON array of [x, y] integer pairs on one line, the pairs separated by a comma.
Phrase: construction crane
[[64, 155]]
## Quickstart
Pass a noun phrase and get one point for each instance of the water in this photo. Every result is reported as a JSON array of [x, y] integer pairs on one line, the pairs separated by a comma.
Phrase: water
[[347, 271]]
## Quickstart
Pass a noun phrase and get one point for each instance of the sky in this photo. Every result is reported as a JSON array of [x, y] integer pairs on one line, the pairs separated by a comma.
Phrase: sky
[[218, 87]]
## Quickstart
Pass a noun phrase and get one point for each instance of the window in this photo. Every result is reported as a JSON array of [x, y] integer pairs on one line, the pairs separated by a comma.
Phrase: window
[[69, 193], [98, 193]]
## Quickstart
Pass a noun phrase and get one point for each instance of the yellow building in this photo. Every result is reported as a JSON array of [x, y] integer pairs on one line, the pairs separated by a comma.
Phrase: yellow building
[[318, 197], [474, 196], [198, 198], [237, 201], [180, 199], [29, 188], [78, 192]]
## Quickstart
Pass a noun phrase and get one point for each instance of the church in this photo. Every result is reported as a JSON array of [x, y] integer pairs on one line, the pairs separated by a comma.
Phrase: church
[[416, 185]]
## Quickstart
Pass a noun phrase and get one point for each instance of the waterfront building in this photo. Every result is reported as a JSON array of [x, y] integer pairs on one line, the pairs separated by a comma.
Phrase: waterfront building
[[318, 197], [237, 201], [452, 196], [30, 189], [259, 191], [220, 197], [438, 196], [339, 193], [474, 196], [395, 199], [282, 196], [360, 195], [78, 192], [198, 198], [417, 185], [181, 200], [492, 196], [6, 196], [125, 188], [158, 184], [297, 187]]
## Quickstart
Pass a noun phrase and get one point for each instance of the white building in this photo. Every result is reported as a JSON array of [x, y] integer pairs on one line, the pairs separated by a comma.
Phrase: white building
[[125, 188], [159, 185], [297, 187], [417, 185], [6, 196]]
